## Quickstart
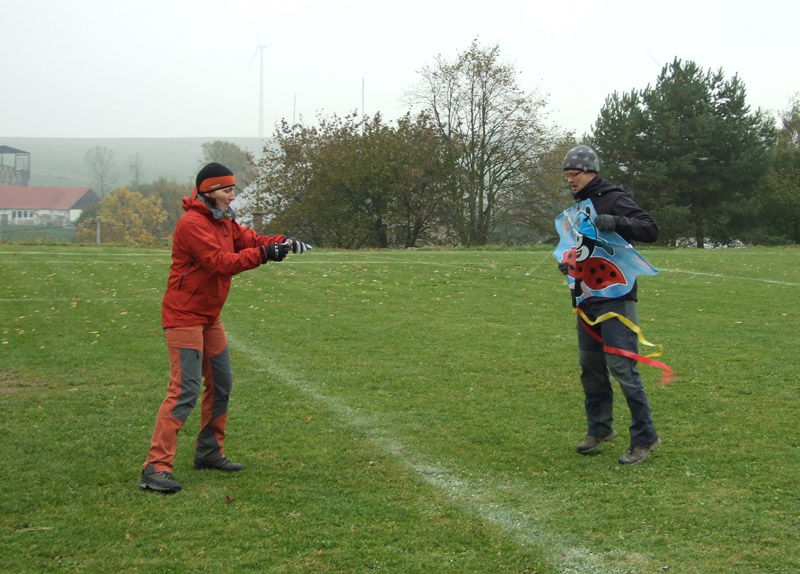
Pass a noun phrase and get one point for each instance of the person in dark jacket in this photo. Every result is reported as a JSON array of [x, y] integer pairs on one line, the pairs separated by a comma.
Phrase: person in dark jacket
[[616, 211], [208, 249]]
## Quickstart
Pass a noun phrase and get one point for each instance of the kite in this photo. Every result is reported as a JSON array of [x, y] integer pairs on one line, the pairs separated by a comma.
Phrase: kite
[[602, 264]]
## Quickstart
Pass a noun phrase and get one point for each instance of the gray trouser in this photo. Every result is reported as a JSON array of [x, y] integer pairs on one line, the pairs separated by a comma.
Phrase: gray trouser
[[596, 364]]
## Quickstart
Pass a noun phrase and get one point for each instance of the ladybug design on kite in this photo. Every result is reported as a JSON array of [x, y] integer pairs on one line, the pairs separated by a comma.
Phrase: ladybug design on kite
[[596, 272]]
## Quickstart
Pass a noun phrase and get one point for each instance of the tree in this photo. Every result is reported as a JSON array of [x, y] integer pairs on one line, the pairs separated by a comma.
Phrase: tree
[[125, 217], [88, 216], [535, 206], [170, 194], [101, 161], [691, 149], [495, 132], [281, 192], [242, 163], [136, 170], [355, 170], [422, 166], [782, 201], [303, 187], [353, 182]]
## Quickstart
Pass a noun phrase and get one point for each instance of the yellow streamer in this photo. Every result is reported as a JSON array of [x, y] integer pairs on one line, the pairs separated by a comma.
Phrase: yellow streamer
[[625, 321]]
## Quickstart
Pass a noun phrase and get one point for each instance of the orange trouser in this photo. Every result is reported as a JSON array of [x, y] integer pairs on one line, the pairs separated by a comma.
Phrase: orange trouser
[[194, 353]]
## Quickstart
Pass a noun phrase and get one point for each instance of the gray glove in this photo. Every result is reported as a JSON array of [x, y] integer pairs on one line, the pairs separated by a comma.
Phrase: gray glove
[[297, 245], [605, 222], [563, 267]]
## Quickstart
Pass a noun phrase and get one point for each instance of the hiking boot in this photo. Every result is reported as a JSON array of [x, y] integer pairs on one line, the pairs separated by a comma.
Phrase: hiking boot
[[637, 454], [592, 442], [158, 481], [219, 464]]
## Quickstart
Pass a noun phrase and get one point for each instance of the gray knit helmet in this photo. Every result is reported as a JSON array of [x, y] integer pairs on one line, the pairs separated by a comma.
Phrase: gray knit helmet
[[583, 158]]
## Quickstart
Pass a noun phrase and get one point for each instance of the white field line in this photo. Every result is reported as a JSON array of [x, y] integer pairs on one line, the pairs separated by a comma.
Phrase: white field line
[[288, 262], [67, 263], [731, 277], [23, 253], [77, 299], [477, 496]]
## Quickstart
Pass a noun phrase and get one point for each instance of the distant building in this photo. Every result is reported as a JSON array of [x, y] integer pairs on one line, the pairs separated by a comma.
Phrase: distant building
[[15, 166], [20, 205]]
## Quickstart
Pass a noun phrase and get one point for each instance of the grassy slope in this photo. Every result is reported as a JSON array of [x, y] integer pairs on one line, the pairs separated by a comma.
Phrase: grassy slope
[[60, 161]]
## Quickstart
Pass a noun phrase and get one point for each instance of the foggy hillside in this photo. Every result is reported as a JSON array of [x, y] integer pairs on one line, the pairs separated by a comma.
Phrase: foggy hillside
[[61, 161]]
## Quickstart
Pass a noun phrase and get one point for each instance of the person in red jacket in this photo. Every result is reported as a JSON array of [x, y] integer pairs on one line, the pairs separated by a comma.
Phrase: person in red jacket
[[208, 249]]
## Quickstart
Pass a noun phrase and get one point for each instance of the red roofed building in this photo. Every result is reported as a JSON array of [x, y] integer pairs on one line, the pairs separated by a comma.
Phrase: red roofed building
[[22, 205]]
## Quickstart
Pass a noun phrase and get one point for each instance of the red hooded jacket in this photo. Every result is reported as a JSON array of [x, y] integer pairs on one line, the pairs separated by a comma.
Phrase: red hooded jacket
[[206, 253]]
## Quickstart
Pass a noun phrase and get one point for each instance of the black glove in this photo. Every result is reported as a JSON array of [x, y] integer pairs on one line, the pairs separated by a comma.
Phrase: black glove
[[563, 267], [605, 222], [274, 252], [297, 245]]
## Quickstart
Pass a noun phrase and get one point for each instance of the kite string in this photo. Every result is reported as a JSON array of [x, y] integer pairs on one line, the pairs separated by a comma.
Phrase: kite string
[[545, 258]]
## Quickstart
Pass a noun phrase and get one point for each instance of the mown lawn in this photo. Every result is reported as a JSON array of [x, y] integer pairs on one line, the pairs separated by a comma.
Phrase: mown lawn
[[399, 411]]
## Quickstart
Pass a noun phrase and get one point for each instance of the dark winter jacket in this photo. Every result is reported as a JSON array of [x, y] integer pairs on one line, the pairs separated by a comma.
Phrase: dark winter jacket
[[632, 222]]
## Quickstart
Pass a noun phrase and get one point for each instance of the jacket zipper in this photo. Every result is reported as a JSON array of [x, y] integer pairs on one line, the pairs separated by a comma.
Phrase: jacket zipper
[[191, 264]]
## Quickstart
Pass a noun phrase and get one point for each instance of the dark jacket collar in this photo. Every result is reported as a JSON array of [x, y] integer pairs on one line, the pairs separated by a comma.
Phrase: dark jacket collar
[[597, 186]]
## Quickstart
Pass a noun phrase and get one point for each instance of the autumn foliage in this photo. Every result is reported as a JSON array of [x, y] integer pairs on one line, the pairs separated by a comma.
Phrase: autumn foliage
[[125, 217]]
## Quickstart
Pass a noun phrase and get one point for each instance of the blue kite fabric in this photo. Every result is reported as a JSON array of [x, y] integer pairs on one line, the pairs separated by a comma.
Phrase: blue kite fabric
[[599, 263]]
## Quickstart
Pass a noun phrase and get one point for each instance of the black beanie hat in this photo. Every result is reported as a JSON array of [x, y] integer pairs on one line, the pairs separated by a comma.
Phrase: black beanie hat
[[214, 176]]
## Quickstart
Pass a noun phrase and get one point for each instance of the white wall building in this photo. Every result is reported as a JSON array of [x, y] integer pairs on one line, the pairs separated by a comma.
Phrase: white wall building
[[22, 205]]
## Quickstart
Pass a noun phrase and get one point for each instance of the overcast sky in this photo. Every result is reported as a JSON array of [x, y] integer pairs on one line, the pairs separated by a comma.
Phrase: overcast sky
[[191, 68]]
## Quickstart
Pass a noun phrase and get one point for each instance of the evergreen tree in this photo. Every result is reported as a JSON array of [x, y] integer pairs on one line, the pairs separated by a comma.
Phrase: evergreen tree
[[692, 150]]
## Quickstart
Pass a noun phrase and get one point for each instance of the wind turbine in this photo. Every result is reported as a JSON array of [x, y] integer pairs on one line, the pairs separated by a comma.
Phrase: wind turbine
[[260, 49]]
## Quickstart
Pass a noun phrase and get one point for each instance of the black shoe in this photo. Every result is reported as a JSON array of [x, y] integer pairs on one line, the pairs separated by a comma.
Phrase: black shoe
[[158, 481], [593, 442], [219, 464]]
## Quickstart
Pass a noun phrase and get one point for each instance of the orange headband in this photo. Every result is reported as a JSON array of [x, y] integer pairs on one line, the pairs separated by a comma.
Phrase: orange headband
[[215, 183]]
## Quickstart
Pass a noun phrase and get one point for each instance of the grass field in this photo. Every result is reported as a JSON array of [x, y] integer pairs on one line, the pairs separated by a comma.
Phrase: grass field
[[400, 411]]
